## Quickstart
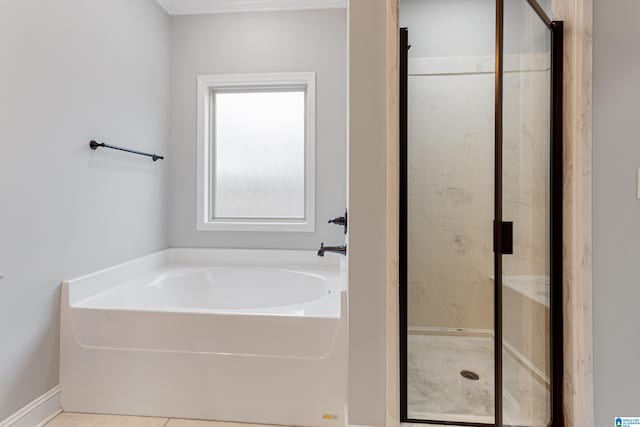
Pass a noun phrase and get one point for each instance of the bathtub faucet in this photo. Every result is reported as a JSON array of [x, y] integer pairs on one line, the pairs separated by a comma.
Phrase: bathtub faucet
[[342, 249]]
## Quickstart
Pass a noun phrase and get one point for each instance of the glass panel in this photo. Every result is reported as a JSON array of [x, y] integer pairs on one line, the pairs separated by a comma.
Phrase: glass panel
[[546, 6], [526, 202], [259, 155], [450, 369]]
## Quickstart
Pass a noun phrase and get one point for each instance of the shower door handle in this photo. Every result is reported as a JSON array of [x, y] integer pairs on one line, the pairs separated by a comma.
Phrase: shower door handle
[[504, 244]]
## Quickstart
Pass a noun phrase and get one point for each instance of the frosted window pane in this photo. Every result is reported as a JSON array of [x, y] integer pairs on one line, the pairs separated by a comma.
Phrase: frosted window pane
[[259, 159]]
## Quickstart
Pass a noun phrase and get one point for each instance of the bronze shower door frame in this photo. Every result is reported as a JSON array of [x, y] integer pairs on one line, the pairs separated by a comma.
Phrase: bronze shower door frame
[[502, 235]]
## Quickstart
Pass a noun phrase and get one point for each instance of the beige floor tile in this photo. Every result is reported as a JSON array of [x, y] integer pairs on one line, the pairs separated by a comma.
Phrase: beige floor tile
[[197, 423], [422, 425], [92, 420]]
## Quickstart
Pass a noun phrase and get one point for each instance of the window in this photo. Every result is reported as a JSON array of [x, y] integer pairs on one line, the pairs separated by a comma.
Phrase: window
[[256, 152]]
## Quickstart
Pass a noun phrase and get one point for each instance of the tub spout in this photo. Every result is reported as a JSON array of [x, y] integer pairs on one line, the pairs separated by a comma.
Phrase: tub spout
[[342, 249]]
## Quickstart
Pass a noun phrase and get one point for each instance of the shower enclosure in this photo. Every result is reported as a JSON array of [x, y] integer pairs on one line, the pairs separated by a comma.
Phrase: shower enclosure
[[481, 213]]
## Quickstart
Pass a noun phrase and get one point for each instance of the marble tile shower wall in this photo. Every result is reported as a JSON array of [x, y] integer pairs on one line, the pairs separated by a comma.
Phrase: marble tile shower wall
[[450, 199], [451, 169]]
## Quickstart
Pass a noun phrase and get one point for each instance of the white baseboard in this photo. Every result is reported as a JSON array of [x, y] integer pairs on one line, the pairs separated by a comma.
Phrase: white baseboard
[[38, 412]]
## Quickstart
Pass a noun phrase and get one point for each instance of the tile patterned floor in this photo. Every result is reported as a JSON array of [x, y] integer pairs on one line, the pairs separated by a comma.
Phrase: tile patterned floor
[[92, 420], [67, 419], [196, 423]]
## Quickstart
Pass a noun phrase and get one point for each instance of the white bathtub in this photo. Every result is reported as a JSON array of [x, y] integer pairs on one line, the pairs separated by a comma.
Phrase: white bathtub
[[233, 335]]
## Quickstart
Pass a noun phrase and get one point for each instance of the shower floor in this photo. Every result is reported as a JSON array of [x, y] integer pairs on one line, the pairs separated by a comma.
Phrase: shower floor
[[437, 391]]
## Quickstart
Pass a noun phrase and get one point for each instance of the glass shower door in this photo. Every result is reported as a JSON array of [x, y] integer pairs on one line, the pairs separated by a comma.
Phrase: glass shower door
[[480, 265], [527, 192], [447, 205]]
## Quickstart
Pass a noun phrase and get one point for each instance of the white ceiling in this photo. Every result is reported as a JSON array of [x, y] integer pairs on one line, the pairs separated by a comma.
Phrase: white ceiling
[[188, 7]]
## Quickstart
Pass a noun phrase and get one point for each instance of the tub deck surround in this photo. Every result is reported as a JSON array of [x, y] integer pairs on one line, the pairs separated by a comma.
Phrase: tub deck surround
[[255, 336]]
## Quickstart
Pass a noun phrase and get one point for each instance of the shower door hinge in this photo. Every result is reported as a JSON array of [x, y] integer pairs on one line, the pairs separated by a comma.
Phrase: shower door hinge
[[503, 241]]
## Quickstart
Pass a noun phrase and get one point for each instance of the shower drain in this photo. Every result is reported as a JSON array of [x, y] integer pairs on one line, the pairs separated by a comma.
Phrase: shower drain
[[470, 375]]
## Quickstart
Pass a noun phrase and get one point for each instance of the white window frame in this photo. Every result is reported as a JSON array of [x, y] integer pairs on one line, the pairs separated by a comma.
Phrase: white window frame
[[209, 83]]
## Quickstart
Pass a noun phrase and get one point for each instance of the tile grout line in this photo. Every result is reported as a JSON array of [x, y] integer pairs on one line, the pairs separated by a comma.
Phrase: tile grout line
[[166, 422]]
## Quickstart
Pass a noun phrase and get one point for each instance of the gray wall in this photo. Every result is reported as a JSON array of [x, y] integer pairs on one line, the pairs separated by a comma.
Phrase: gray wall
[[257, 43], [616, 211], [72, 71]]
